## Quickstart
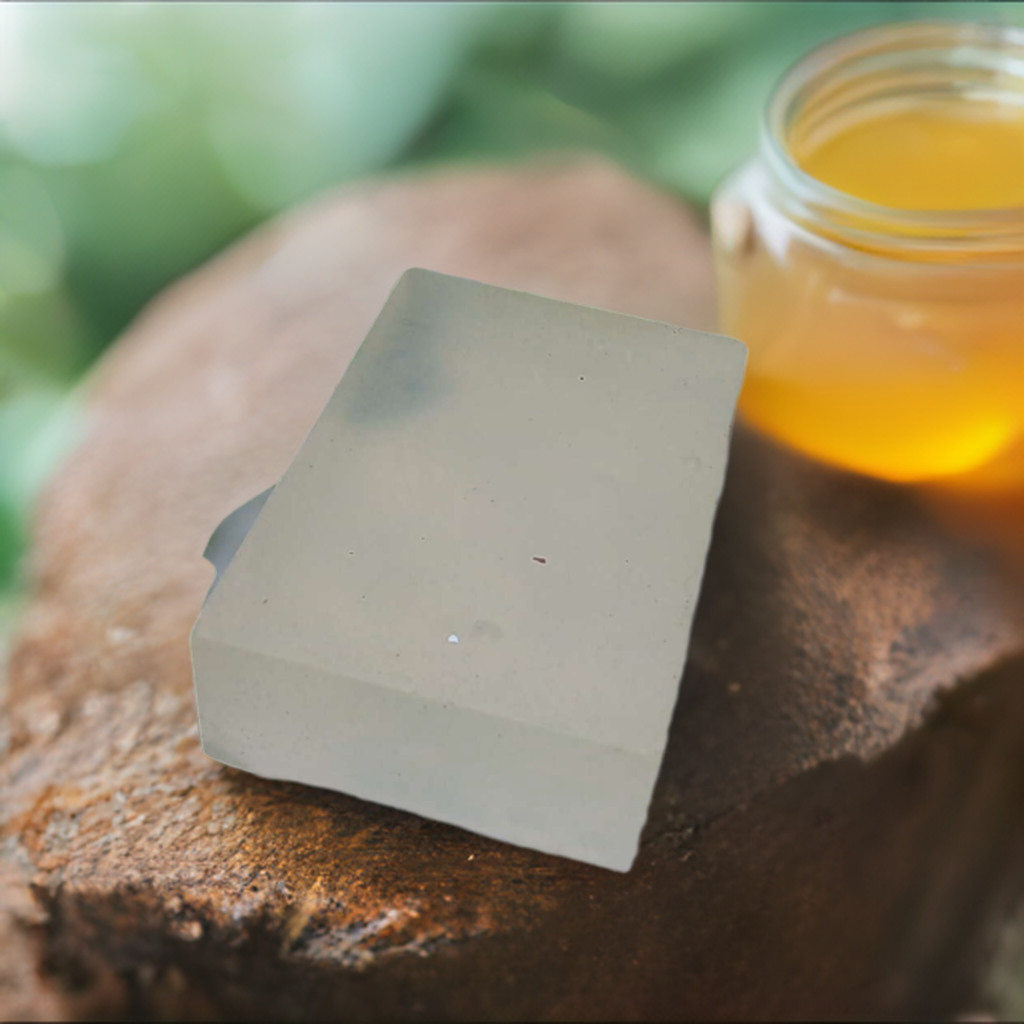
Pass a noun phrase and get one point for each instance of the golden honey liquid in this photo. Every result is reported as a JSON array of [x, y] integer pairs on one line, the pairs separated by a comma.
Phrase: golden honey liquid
[[876, 363]]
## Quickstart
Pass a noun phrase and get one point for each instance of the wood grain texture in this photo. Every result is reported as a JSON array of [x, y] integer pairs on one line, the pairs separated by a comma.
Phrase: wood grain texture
[[829, 837]]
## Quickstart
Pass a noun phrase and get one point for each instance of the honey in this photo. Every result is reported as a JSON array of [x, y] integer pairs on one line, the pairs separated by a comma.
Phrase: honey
[[937, 156], [873, 259]]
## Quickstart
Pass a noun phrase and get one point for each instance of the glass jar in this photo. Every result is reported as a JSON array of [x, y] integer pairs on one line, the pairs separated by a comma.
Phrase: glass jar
[[887, 341]]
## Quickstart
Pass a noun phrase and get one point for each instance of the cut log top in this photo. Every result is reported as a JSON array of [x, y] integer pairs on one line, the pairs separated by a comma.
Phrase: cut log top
[[781, 873]]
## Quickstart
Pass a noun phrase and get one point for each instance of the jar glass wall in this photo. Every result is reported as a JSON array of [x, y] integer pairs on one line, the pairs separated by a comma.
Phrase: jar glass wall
[[886, 340]]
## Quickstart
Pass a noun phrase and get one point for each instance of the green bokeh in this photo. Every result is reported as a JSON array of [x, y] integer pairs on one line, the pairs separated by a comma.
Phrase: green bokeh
[[138, 139]]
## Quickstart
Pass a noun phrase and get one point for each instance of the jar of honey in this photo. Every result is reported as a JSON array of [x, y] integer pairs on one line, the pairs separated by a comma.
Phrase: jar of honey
[[871, 256]]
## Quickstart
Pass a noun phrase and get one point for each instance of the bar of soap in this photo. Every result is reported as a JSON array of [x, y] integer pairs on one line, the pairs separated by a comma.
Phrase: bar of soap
[[470, 595]]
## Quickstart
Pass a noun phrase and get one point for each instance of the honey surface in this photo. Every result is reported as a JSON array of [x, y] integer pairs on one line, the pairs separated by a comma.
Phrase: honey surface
[[902, 371], [936, 158]]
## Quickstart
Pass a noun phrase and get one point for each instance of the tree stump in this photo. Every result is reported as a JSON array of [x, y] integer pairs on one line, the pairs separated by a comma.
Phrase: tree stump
[[838, 829]]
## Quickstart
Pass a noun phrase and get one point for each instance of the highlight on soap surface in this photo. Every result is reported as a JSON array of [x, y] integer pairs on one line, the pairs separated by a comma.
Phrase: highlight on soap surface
[[867, 350]]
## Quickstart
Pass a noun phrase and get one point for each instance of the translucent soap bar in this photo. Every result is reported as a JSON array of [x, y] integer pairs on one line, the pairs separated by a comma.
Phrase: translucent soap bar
[[470, 595]]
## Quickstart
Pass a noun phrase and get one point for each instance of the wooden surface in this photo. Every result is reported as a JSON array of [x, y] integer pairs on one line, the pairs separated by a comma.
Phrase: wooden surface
[[839, 825]]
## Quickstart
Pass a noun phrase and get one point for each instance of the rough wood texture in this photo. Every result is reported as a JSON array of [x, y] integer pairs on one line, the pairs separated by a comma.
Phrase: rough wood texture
[[827, 837]]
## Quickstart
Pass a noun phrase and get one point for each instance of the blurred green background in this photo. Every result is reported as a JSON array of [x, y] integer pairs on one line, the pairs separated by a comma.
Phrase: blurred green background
[[138, 139]]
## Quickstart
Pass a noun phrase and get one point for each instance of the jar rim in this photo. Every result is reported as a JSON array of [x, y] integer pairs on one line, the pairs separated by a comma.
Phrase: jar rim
[[984, 46]]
